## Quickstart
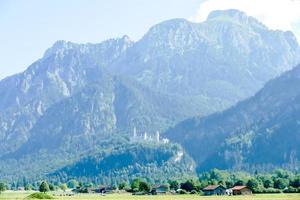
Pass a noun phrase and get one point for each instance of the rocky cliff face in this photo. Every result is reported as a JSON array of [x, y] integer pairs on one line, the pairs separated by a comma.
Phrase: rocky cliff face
[[65, 69]]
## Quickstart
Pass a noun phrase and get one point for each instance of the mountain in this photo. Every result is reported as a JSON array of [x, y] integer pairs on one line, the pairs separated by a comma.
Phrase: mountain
[[78, 97], [79, 125], [210, 65], [218, 62], [261, 132], [64, 70], [67, 102], [110, 105]]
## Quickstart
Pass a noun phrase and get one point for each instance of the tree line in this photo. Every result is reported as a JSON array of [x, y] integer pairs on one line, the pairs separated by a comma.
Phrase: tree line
[[275, 182]]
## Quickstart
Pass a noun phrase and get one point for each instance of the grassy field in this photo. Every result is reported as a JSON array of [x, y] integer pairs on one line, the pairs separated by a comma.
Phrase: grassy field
[[22, 195]]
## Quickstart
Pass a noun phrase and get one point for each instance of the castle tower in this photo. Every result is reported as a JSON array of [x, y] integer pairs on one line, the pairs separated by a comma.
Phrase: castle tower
[[134, 133], [157, 136]]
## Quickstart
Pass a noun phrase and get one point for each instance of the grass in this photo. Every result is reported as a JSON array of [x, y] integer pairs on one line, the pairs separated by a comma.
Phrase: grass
[[23, 195], [39, 195]]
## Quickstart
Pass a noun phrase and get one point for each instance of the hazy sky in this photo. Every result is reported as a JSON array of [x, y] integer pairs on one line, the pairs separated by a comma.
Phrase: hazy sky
[[28, 28]]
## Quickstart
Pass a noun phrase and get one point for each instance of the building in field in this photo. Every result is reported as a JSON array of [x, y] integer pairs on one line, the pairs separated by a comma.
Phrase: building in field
[[159, 189], [214, 190], [241, 190], [105, 190]]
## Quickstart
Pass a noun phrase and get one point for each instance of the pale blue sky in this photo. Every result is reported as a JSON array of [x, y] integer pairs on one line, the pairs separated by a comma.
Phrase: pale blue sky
[[29, 27]]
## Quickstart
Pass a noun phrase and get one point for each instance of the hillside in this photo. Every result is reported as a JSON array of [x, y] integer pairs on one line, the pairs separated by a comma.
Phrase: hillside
[[155, 162], [109, 106], [261, 132], [114, 158], [65, 69]]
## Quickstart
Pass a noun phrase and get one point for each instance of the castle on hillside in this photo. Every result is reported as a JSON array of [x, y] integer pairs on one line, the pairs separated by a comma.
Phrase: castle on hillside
[[145, 137]]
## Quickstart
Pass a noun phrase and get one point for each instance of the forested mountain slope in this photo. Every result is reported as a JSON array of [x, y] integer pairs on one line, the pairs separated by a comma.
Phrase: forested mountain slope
[[259, 133]]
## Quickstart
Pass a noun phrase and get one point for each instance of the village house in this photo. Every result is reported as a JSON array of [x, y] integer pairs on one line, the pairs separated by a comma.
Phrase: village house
[[104, 190], [241, 190], [21, 188], [83, 190], [159, 189], [214, 190]]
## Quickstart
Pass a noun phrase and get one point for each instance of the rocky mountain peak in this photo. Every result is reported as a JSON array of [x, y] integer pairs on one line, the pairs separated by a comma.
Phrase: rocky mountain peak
[[234, 15], [59, 47], [126, 39], [175, 34]]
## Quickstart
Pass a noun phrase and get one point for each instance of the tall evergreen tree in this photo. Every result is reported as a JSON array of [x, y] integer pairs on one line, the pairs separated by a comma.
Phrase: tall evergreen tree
[[44, 187]]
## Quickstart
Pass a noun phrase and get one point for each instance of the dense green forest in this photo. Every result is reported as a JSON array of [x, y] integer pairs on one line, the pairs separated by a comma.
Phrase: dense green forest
[[115, 160], [154, 161]]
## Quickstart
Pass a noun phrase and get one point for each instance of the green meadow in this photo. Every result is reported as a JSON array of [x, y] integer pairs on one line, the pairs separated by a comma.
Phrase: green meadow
[[22, 195]]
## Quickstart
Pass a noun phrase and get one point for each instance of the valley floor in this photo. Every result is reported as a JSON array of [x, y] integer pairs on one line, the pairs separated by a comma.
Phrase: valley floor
[[22, 195]]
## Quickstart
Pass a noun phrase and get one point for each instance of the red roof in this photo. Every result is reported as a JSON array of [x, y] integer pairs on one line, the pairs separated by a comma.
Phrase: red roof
[[239, 187], [212, 187]]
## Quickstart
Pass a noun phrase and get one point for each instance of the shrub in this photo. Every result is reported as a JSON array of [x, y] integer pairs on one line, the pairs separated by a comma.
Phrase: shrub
[[3, 187], [201, 193], [28, 187], [144, 187], [63, 187], [135, 190], [253, 184], [189, 185], [291, 189], [123, 185], [51, 187], [135, 184], [182, 191], [72, 183], [271, 190], [174, 185], [39, 195], [281, 183], [194, 192]]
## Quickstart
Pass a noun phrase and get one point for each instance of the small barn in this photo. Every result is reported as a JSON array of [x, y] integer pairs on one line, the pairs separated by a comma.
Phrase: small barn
[[214, 190], [159, 189], [83, 190], [104, 190], [241, 190]]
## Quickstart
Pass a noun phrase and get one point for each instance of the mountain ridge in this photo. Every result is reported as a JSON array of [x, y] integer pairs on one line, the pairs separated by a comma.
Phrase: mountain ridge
[[242, 136]]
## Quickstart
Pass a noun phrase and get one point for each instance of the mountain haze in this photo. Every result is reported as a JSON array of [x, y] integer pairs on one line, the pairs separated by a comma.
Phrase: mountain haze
[[80, 101], [261, 132], [65, 69], [218, 62]]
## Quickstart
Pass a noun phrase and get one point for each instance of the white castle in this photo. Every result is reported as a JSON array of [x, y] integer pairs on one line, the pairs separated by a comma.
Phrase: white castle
[[145, 137]]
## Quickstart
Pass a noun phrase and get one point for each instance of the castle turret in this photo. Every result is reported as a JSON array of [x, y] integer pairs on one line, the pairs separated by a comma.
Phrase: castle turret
[[134, 133], [157, 136]]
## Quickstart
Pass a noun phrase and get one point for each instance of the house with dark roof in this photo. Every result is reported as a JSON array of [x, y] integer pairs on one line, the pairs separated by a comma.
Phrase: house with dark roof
[[241, 190], [104, 189], [159, 189], [214, 190]]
